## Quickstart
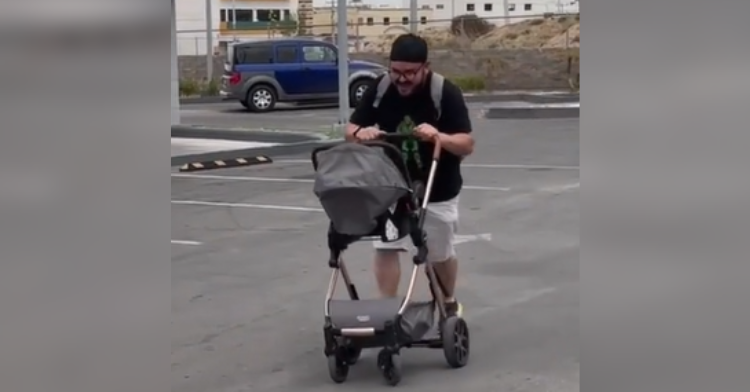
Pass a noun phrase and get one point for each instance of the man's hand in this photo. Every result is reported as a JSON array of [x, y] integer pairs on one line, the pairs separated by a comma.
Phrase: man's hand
[[370, 133], [426, 132]]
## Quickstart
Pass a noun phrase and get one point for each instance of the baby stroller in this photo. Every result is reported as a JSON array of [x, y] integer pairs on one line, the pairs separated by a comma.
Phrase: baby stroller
[[366, 191]]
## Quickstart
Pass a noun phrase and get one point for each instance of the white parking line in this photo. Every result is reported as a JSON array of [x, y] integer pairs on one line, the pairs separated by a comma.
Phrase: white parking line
[[301, 181], [562, 188], [472, 165], [190, 243], [244, 205]]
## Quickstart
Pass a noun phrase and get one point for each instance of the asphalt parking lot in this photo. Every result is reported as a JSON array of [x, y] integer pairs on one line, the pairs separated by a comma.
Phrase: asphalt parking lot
[[249, 273], [287, 117]]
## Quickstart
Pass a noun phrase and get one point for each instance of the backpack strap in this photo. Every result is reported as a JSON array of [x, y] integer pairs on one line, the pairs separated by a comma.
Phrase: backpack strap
[[436, 90], [383, 86]]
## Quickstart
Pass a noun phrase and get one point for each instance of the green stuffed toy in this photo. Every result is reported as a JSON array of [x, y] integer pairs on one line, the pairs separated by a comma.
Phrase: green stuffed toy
[[410, 146]]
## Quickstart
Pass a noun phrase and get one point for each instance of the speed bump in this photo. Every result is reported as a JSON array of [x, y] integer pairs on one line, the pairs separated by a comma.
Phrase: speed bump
[[225, 164]]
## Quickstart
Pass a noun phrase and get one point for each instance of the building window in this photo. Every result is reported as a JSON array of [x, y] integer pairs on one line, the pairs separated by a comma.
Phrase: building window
[[439, 6], [370, 21], [286, 54], [244, 15], [470, 7], [511, 7], [488, 7], [287, 15], [404, 21], [423, 20], [386, 21], [527, 7], [269, 15]]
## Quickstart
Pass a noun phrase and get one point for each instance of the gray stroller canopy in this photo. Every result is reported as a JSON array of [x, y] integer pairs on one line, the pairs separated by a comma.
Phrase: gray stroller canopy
[[356, 185]]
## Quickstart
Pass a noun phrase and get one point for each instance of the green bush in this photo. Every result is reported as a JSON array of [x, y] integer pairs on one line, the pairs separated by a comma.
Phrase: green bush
[[210, 89], [189, 87], [469, 83]]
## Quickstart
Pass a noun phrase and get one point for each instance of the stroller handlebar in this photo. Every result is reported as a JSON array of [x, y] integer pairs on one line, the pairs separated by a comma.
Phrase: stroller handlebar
[[396, 137]]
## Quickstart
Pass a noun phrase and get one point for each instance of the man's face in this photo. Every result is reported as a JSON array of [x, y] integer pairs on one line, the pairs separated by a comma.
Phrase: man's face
[[408, 77]]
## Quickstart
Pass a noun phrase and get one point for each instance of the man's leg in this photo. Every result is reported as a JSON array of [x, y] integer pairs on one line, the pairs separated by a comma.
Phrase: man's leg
[[387, 272], [388, 267], [441, 225]]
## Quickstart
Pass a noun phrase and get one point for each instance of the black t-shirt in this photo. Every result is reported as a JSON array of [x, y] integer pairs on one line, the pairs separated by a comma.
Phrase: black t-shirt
[[394, 109]]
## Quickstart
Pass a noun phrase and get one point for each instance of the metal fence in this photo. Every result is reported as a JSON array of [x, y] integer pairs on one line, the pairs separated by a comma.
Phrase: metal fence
[[370, 35], [493, 49]]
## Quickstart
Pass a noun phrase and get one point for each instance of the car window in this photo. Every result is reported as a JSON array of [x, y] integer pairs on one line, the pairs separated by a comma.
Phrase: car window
[[318, 54], [286, 54], [256, 54]]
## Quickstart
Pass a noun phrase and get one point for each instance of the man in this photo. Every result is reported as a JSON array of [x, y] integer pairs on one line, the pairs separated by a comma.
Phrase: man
[[408, 104]]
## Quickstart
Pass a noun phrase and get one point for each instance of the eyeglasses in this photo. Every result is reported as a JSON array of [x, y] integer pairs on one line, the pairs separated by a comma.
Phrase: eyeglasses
[[408, 74]]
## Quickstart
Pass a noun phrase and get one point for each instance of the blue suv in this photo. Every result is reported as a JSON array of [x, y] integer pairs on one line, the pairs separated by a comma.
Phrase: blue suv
[[261, 74]]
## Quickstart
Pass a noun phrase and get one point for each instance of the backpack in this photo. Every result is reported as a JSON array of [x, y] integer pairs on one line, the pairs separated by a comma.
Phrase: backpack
[[436, 90]]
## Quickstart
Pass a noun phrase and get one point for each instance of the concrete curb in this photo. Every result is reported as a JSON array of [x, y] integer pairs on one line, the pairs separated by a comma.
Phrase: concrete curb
[[241, 134], [530, 96], [526, 110], [272, 151], [287, 143]]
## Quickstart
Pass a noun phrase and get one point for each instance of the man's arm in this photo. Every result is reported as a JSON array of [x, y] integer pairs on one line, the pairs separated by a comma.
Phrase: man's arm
[[455, 123], [364, 114]]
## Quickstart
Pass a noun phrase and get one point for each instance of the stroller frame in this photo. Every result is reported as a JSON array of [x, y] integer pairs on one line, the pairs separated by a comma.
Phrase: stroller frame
[[344, 345]]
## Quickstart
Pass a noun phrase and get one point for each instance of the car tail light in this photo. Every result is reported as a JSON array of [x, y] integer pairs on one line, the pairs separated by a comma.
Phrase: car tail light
[[235, 78]]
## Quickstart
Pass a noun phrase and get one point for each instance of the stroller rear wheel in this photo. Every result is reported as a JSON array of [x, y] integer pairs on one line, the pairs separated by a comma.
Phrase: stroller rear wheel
[[337, 369], [390, 366], [456, 343]]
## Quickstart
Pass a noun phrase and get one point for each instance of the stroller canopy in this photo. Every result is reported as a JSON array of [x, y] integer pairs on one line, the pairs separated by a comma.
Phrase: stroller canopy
[[357, 184]]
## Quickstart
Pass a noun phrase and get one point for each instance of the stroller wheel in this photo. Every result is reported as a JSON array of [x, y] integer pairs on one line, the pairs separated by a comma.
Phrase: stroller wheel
[[352, 355], [337, 369], [456, 347], [390, 367]]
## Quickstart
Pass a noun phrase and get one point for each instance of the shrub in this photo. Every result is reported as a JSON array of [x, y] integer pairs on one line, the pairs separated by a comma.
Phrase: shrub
[[470, 26], [536, 22], [210, 89], [469, 83], [189, 87]]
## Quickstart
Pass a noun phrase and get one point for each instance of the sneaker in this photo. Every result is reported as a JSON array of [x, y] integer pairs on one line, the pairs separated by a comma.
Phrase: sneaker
[[454, 309]]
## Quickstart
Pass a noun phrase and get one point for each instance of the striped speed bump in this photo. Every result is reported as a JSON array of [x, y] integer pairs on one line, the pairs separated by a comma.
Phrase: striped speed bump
[[225, 164]]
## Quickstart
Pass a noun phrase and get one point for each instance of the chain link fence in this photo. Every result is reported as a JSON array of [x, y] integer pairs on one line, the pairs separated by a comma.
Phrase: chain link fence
[[526, 52]]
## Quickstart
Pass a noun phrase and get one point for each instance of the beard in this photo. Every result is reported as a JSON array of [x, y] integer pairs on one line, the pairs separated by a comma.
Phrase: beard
[[409, 87]]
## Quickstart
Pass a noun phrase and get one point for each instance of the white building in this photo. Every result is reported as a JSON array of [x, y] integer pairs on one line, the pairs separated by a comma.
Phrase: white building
[[498, 12], [248, 15]]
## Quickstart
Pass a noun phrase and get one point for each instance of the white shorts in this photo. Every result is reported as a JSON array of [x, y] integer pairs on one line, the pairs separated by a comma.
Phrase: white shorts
[[440, 225]]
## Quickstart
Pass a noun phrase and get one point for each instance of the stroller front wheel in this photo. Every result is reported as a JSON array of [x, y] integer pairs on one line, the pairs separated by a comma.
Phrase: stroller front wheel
[[337, 369], [352, 355], [390, 367]]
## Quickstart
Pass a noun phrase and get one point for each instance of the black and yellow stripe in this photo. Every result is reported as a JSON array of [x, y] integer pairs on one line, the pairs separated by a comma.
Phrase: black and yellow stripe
[[225, 164]]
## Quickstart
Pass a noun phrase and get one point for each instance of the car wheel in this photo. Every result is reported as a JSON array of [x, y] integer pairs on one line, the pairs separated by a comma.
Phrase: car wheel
[[261, 98], [357, 91]]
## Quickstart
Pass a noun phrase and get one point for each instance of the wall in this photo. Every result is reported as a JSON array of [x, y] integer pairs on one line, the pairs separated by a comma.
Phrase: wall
[[325, 19], [516, 69], [191, 26], [445, 10]]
